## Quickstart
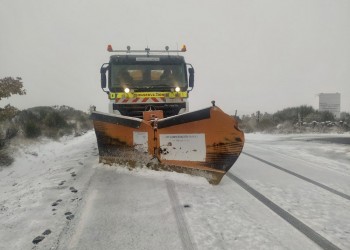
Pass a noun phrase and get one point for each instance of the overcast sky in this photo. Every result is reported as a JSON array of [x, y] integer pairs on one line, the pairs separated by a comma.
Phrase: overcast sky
[[248, 55]]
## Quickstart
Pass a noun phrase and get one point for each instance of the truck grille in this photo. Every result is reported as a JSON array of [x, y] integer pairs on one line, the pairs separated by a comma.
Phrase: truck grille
[[135, 110]]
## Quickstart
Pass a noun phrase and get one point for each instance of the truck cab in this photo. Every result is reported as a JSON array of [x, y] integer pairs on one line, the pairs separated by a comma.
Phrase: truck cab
[[144, 82]]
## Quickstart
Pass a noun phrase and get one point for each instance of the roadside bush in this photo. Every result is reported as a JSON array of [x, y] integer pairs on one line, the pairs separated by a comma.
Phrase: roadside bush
[[11, 132], [2, 142], [65, 131], [285, 128], [5, 159], [54, 120], [8, 112], [87, 125], [266, 125], [50, 133], [32, 130]]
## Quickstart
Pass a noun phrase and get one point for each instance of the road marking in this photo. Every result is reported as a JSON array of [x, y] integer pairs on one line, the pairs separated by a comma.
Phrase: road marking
[[297, 224], [345, 196], [180, 219]]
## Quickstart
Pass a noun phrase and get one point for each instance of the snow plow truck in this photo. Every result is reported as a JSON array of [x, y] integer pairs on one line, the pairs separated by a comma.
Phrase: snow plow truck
[[149, 123]]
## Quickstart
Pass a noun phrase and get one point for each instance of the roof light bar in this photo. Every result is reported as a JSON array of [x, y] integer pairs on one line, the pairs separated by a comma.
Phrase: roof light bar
[[147, 50]]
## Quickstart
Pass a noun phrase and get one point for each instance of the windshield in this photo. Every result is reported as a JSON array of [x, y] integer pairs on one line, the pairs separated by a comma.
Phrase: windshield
[[148, 76]]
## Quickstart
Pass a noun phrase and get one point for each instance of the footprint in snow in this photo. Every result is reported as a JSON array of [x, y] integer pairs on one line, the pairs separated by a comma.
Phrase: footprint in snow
[[38, 239], [56, 203], [41, 237], [73, 190], [69, 215], [47, 232]]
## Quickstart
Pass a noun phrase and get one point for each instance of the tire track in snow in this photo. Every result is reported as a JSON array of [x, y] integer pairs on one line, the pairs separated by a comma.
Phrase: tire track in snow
[[297, 224], [329, 189], [81, 225], [180, 219]]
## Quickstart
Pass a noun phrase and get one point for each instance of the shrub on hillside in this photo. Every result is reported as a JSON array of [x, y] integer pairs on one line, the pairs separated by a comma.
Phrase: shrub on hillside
[[8, 112], [5, 158], [266, 125], [54, 120], [303, 119], [293, 114], [31, 130], [11, 132]]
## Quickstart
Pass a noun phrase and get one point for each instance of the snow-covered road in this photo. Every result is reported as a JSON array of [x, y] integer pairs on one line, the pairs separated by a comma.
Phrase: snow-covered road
[[59, 186]]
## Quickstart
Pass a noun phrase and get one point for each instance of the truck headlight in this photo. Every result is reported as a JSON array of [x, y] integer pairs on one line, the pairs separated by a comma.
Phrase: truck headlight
[[126, 90], [177, 89]]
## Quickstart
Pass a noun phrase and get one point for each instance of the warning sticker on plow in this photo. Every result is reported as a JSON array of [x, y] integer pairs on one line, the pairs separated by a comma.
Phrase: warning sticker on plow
[[141, 141], [183, 147]]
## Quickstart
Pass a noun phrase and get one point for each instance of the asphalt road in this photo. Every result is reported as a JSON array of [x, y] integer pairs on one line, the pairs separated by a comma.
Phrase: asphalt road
[[124, 210], [120, 215], [337, 140]]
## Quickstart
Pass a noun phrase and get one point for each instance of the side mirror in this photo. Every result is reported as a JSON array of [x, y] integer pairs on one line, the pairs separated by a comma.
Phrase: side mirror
[[191, 77], [103, 71]]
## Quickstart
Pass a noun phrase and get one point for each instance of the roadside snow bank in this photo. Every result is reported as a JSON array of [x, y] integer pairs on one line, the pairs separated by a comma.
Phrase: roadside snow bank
[[37, 190]]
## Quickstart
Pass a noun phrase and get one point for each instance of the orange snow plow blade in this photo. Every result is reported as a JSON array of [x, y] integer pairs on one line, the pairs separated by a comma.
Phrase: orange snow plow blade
[[206, 142]]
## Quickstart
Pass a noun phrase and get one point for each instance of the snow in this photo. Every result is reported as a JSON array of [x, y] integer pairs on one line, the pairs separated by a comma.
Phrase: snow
[[31, 186], [118, 208], [304, 147]]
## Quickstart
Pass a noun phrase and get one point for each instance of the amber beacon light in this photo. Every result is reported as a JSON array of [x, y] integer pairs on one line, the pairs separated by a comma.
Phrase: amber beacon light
[[109, 48]]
